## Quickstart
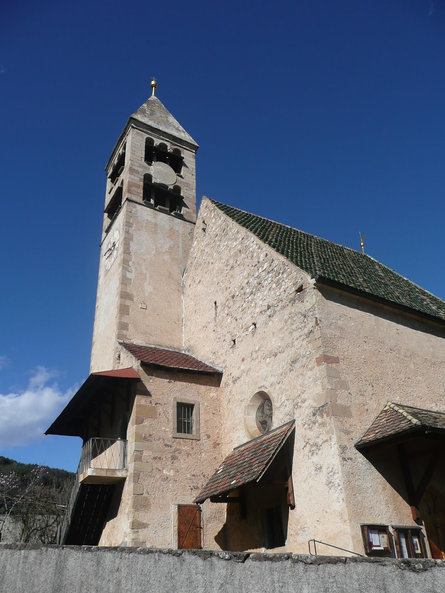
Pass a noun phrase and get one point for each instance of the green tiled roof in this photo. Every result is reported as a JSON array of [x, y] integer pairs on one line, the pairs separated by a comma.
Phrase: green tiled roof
[[332, 263]]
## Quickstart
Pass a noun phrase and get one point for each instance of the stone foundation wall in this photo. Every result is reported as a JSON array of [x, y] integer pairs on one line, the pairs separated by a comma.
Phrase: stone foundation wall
[[53, 569]]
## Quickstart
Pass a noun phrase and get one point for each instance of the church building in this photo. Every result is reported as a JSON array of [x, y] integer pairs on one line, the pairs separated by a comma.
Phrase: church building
[[252, 386]]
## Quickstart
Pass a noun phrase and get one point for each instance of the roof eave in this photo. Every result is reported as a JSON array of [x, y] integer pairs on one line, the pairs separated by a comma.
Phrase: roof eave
[[416, 431], [164, 367], [67, 422], [289, 431], [320, 279], [146, 127]]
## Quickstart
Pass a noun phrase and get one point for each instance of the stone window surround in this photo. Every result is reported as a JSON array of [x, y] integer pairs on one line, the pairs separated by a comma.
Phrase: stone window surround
[[196, 418], [250, 413]]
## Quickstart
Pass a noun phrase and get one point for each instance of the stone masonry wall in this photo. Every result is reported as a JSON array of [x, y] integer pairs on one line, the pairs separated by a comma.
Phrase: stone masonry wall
[[254, 314], [377, 355], [165, 470], [139, 298], [139, 294], [108, 570]]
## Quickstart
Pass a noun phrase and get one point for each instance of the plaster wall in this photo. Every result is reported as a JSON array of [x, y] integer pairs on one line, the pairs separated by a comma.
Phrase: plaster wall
[[254, 314], [378, 355], [139, 298], [156, 246], [139, 294], [164, 470], [109, 288], [79, 569]]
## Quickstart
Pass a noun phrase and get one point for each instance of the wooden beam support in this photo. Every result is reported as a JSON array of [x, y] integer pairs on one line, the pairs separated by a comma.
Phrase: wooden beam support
[[226, 499], [407, 476]]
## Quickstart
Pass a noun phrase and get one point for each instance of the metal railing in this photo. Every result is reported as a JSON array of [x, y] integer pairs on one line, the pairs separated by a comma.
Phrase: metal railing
[[97, 453], [317, 541], [100, 453]]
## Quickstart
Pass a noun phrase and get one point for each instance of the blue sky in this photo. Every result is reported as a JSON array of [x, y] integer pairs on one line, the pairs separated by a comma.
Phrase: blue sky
[[327, 116]]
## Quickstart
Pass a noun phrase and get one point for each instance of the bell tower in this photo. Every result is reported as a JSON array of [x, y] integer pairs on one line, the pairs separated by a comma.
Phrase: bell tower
[[149, 217]]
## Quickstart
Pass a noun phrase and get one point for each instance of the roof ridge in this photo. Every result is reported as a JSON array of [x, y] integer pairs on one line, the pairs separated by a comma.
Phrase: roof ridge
[[399, 408], [261, 436], [169, 348], [366, 255]]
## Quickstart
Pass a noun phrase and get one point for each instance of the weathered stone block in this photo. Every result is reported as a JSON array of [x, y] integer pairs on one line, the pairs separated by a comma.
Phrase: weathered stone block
[[326, 359], [142, 502], [136, 524], [142, 466], [340, 410], [137, 489]]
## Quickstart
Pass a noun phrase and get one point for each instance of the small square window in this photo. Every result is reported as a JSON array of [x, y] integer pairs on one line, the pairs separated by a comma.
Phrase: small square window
[[185, 419]]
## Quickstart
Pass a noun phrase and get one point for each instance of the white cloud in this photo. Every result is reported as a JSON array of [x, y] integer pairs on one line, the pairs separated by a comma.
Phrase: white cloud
[[24, 416]]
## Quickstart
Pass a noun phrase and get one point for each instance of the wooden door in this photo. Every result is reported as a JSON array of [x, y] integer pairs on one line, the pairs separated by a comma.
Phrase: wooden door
[[433, 513], [189, 527]]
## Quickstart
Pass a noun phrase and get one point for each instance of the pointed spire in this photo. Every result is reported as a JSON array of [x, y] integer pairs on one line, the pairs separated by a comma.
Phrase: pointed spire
[[156, 115]]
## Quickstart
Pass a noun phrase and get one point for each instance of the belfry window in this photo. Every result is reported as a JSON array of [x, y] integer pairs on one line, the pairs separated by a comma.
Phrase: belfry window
[[162, 154], [160, 196], [115, 203], [149, 151], [118, 167], [176, 161]]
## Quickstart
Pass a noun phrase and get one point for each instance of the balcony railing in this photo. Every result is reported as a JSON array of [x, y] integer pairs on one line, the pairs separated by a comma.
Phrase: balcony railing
[[105, 458]]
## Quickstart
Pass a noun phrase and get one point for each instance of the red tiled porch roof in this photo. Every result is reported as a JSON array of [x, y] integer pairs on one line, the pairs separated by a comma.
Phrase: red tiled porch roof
[[396, 419], [246, 463], [168, 358], [129, 373]]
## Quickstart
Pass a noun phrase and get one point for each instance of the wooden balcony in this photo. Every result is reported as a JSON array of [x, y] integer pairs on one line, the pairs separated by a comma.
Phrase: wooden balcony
[[103, 461]]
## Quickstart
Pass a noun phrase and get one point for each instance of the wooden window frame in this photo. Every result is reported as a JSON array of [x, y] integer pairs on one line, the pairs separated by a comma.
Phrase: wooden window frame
[[409, 532], [370, 531]]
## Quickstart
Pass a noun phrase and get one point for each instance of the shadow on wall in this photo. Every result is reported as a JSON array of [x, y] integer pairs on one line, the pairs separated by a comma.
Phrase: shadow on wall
[[258, 517]]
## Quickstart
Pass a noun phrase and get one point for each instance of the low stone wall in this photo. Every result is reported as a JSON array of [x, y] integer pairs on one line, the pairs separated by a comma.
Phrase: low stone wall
[[52, 569]]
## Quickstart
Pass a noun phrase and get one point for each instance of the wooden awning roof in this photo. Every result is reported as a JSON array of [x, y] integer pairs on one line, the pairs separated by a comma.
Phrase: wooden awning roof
[[396, 420], [71, 421], [167, 358], [247, 463]]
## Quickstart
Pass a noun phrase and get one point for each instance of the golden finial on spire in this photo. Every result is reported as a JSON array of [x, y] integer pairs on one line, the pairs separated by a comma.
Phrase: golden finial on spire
[[154, 86], [362, 241]]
